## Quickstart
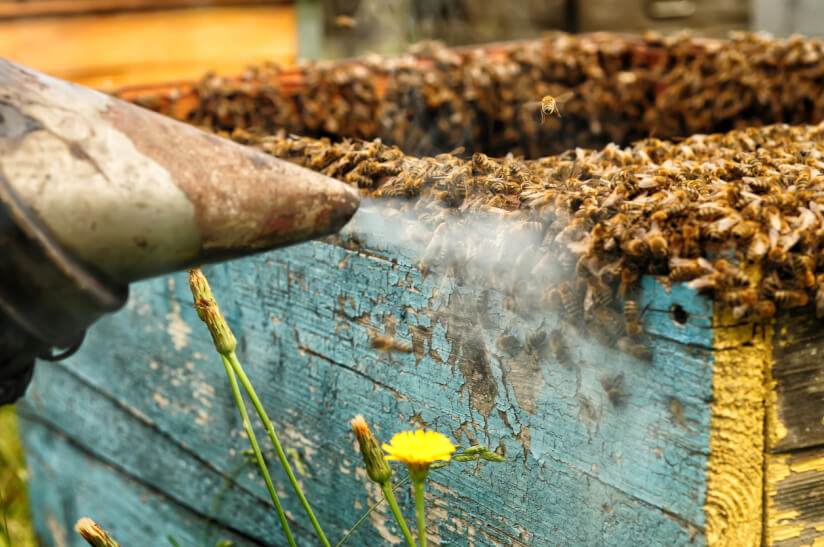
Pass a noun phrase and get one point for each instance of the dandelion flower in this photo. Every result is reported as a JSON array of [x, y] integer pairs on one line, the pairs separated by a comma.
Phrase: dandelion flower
[[418, 449]]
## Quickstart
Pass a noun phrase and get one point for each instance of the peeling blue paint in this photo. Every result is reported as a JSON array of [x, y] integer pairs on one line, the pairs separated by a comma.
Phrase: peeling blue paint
[[580, 471]]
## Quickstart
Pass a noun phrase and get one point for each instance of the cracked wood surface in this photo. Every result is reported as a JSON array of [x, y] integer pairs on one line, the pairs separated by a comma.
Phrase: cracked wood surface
[[145, 399]]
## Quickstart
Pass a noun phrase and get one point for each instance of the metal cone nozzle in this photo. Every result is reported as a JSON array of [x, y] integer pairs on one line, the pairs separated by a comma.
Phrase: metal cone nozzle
[[96, 193]]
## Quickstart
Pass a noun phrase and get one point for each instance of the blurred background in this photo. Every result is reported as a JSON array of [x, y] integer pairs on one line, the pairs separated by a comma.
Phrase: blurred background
[[109, 44]]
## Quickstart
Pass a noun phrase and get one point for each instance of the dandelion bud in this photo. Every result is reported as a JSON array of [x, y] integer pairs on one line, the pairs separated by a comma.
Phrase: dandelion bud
[[476, 449], [94, 534], [465, 457], [377, 467], [207, 310], [492, 456]]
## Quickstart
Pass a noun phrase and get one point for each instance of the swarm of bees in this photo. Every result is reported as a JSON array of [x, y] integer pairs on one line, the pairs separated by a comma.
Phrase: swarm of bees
[[433, 99], [700, 211], [737, 215]]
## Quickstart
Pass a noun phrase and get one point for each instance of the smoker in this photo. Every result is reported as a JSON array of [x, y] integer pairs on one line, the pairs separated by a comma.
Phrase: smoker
[[96, 193]]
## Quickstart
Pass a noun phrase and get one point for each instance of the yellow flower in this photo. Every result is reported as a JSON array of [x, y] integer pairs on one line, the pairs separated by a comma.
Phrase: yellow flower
[[418, 449]]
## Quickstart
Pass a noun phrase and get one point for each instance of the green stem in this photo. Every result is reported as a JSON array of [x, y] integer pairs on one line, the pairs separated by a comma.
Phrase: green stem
[[386, 488], [247, 385], [369, 512], [241, 406], [420, 511]]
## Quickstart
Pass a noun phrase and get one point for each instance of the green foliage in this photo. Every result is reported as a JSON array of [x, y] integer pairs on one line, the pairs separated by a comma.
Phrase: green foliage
[[15, 523]]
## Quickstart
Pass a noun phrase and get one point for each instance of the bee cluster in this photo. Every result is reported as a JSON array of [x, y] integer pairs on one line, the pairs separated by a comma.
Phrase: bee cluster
[[736, 210], [488, 99], [737, 215]]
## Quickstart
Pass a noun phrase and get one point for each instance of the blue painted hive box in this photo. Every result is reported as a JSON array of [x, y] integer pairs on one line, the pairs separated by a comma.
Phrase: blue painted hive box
[[690, 416]]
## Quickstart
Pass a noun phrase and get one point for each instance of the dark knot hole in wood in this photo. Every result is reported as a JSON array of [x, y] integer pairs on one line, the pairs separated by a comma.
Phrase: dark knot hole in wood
[[679, 314]]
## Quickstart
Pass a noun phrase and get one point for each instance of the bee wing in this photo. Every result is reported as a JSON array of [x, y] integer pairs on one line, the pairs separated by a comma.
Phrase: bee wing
[[532, 104], [564, 97]]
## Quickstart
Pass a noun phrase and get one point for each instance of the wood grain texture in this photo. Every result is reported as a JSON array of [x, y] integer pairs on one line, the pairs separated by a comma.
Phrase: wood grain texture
[[147, 396], [106, 51], [794, 501], [798, 387], [735, 475]]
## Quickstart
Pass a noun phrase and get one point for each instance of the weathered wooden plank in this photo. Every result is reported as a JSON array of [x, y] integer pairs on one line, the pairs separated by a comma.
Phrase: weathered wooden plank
[[126, 506], [794, 494], [735, 473], [798, 374], [601, 473]]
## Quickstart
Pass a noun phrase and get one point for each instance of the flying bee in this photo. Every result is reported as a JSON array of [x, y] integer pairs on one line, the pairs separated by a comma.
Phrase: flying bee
[[559, 348], [635, 327], [613, 387], [387, 343], [345, 22], [549, 104]]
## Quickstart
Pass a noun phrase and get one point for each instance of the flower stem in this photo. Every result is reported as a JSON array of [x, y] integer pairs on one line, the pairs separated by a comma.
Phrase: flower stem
[[420, 511], [255, 447], [247, 385], [386, 488]]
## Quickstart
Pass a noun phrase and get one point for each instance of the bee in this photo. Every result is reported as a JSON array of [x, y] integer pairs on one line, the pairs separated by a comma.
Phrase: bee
[[657, 243], [345, 22], [634, 325], [791, 298], [802, 267], [537, 341], [508, 343], [635, 349], [481, 163], [570, 302], [613, 387], [559, 349], [549, 106], [740, 297], [387, 343], [758, 247]]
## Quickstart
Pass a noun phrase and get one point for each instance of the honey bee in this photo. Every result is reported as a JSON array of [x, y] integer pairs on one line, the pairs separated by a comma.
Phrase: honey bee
[[613, 388], [634, 325], [537, 341], [481, 163], [758, 247], [387, 343], [345, 22], [549, 106], [570, 302], [791, 298], [559, 349], [508, 344], [635, 349]]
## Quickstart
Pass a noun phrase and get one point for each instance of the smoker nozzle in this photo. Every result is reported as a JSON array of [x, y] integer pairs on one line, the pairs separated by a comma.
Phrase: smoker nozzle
[[96, 193]]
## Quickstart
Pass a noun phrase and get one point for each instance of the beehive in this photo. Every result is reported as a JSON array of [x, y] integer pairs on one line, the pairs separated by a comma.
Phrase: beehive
[[705, 429]]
